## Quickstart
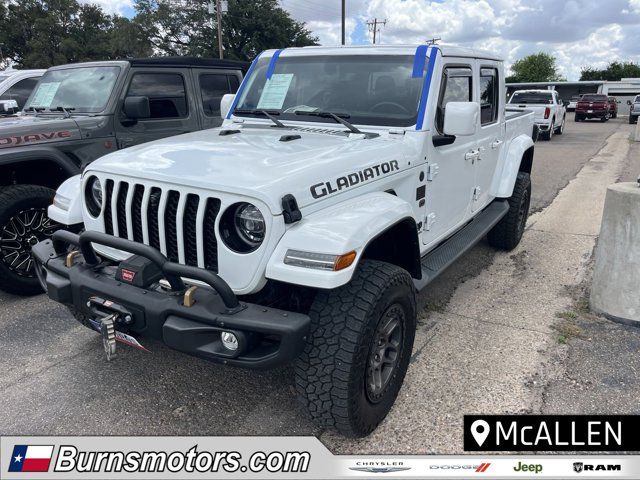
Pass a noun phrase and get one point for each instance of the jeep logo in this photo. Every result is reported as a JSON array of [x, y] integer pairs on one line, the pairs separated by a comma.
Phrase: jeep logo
[[32, 138], [323, 189]]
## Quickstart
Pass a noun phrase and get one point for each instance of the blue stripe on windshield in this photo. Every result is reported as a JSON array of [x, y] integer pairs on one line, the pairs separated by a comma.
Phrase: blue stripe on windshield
[[433, 53], [242, 85], [418, 61], [272, 63]]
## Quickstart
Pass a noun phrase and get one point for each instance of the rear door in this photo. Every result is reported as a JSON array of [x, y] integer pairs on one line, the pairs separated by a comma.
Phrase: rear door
[[211, 86], [491, 132], [171, 112]]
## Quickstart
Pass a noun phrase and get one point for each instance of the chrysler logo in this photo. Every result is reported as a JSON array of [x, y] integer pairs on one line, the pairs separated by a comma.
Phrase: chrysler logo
[[379, 469]]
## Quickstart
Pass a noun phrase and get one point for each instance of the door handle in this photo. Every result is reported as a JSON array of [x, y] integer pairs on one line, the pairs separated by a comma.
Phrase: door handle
[[496, 144], [472, 155]]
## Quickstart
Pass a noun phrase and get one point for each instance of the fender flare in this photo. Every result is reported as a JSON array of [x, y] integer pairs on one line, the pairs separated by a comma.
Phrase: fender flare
[[27, 154], [347, 226], [505, 177]]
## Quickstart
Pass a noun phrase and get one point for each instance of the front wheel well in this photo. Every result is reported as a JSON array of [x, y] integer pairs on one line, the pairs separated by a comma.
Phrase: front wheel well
[[33, 172], [398, 245]]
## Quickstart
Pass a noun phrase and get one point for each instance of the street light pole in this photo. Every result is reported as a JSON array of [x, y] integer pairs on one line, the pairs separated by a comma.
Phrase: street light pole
[[219, 15], [343, 20]]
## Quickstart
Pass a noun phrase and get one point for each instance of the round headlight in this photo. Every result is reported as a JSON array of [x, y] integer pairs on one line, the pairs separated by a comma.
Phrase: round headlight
[[249, 224], [93, 196], [242, 227]]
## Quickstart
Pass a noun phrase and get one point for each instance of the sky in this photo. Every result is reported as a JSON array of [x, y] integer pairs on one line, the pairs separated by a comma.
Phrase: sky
[[577, 32]]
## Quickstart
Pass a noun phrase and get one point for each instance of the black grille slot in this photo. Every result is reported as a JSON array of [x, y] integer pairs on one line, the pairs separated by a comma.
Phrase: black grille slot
[[152, 217], [121, 206], [108, 219], [209, 232], [170, 230], [136, 213], [189, 230]]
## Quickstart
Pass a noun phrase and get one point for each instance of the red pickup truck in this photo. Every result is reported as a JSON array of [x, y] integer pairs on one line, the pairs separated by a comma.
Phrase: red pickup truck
[[593, 106]]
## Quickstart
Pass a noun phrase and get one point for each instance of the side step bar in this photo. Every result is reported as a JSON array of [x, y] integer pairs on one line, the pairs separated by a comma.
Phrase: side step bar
[[438, 259]]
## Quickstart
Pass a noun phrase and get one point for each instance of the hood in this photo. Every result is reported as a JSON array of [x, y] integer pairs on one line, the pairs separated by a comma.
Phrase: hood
[[259, 162], [25, 130]]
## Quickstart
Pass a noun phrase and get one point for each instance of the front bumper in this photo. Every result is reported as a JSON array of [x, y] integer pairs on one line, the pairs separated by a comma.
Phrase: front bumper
[[267, 337]]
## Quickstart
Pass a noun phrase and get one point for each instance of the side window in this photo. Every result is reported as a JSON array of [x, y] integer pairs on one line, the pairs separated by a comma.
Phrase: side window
[[166, 92], [20, 91], [489, 96], [213, 87], [456, 86]]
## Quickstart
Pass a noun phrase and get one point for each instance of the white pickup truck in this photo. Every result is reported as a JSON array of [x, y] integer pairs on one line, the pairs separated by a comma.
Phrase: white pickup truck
[[342, 182], [550, 112]]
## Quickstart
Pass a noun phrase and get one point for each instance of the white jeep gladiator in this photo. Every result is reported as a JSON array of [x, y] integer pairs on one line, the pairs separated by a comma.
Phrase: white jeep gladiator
[[342, 182], [549, 110]]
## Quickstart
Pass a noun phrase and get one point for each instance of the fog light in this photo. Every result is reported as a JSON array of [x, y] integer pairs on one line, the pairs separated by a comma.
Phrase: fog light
[[229, 340]]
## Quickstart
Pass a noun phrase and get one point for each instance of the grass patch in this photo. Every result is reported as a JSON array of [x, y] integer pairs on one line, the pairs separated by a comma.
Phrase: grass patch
[[568, 315]]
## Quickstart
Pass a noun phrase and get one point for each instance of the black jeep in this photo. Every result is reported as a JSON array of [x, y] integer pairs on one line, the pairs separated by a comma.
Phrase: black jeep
[[80, 112]]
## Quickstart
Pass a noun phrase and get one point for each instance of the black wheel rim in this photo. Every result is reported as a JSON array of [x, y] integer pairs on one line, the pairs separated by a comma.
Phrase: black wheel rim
[[18, 236], [385, 352]]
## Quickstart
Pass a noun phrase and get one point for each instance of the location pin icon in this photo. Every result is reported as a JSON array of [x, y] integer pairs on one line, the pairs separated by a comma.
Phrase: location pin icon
[[480, 431]]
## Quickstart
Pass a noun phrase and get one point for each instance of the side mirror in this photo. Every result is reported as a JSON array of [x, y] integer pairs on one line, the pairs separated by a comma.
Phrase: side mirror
[[461, 118], [628, 102], [8, 106], [225, 104], [137, 107], [565, 103]]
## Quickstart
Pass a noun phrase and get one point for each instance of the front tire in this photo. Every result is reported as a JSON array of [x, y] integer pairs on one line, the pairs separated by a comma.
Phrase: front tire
[[23, 223], [506, 235], [359, 348]]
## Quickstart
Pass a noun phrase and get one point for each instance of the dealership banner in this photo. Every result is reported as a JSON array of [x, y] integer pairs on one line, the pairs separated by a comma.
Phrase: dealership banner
[[94, 457]]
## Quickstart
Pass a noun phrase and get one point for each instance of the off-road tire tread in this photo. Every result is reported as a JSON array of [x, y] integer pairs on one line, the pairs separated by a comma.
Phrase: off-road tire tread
[[339, 322], [9, 195], [505, 234]]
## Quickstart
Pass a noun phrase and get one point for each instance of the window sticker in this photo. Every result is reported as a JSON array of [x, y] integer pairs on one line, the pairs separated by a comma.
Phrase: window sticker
[[44, 94], [275, 91]]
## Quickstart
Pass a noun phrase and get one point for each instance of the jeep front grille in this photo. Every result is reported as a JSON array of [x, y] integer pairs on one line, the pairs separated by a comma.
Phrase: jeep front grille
[[181, 226]]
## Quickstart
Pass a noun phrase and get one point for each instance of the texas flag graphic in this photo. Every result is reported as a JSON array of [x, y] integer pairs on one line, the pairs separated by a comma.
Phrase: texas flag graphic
[[31, 458]]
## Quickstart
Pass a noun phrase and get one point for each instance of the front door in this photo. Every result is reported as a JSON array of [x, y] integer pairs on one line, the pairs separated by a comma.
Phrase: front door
[[450, 173], [169, 105], [491, 134]]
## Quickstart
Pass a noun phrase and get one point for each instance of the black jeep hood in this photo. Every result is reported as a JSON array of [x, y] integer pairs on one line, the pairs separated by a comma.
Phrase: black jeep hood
[[27, 130]]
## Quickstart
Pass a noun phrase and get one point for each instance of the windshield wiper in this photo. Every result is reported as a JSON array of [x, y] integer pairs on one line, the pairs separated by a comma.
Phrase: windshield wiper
[[269, 115], [65, 110], [34, 109], [338, 117]]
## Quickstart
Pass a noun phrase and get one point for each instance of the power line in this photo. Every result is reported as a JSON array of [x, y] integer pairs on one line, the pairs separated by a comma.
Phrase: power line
[[373, 27]]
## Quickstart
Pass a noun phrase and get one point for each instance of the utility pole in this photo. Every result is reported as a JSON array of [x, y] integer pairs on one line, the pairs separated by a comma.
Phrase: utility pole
[[434, 40], [373, 27], [343, 20], [219, 14]]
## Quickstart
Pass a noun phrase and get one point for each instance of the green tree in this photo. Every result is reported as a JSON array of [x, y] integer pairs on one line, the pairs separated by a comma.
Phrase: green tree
[[615, 71], [539, 67], [42, 33], [185, 27]]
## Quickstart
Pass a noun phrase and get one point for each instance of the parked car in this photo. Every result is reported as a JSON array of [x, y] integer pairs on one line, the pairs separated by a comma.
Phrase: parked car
[[80, 112], [548, 108], [572, 103], [613, 107], [593, 105], [634, 110], [16, 86], [342, 181]]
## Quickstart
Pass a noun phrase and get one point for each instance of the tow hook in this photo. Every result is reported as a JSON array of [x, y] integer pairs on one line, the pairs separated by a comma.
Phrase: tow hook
[[108, 332]]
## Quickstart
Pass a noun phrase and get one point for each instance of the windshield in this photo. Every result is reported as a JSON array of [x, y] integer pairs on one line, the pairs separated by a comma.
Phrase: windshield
[[594, 98], [366, 89], [82, 89], [531, 97]]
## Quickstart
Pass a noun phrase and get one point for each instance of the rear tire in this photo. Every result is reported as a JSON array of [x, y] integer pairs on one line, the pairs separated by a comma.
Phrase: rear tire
[[632, 119], [351, 371], [506, 235], [578, 118], [560, 129], [23, 223]]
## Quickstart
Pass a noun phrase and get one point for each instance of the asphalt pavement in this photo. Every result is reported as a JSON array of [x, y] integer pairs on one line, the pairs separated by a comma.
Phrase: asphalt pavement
[[54, 379]]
